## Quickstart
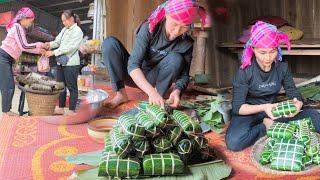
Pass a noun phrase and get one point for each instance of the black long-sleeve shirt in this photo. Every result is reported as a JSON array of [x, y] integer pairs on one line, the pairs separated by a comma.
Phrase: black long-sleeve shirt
[[254, 86], [150, 48]]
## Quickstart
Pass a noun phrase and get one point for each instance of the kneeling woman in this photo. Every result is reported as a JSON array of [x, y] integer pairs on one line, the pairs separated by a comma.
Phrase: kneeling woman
[[256, 85]]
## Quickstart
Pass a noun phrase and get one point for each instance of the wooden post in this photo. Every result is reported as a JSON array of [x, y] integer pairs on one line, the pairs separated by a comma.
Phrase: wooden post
[[199, 55]]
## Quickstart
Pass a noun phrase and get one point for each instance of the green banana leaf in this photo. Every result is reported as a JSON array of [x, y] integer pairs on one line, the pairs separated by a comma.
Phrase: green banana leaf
[[89, 158], [210, 170]]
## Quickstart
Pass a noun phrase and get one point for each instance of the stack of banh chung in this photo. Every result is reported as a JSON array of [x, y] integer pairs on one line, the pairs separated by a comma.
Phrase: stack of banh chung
[[291, 146], [153, 143]]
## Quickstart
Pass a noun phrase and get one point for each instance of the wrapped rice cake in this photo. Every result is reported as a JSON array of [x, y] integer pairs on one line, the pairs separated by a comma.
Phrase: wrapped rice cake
[[131, 127], [158, 114], [116, 167], [284, 108], [162, 144], [281, 130], [185, 148], [189, 125], [148, 123], [163, 164], [287, 155], [141, 147], [175, 134], [121, 144]]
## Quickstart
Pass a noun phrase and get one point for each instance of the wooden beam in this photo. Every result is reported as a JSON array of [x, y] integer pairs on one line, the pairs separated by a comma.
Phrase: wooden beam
[[74, 9], [63, 3]]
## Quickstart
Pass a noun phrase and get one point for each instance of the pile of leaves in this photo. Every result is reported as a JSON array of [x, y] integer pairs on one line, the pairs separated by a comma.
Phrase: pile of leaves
[[211, 110]]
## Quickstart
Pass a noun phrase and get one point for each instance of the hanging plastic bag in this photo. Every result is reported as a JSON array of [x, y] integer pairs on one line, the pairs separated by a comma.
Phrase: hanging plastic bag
[[43, 64]]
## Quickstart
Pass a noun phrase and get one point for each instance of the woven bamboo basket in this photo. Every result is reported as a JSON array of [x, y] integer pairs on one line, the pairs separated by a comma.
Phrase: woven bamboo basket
[[255, 157], [41, 103]]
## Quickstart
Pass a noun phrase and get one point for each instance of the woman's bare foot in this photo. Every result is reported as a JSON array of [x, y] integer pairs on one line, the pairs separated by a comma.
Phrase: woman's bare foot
[[121, 97], [59, 111], [268, 122], [10, 113]]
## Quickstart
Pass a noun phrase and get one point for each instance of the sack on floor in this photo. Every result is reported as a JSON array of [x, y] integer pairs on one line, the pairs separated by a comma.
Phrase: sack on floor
[[114, 166], [163, 164]]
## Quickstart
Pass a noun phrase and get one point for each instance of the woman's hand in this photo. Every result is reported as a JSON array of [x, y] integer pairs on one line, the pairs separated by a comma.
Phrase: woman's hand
[[268, 110], [49, 53], [46, 46], [43, 52], [174, 98], [156, 99], [298, 105]]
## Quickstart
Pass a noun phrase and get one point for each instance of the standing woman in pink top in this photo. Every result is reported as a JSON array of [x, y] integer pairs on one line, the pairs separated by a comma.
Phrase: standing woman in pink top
[[12, 47]]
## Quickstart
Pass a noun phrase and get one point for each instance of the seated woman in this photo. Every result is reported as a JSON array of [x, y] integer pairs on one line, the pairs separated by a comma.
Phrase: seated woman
[[161, 54], [256, 86]]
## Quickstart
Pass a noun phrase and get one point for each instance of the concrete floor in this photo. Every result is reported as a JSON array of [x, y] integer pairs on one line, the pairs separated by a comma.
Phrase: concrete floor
[[15, 102]]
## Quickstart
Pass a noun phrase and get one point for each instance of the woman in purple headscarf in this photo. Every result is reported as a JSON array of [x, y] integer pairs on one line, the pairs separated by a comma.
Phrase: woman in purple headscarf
[[161, 54], [256, 85]]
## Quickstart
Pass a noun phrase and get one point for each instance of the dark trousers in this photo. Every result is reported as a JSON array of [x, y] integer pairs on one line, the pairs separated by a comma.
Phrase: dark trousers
[[7, 86], [244, 131], [69, 76], [161, 76]]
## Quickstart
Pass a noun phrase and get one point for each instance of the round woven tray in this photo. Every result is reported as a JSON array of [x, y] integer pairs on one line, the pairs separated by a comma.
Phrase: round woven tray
[[255, 156]]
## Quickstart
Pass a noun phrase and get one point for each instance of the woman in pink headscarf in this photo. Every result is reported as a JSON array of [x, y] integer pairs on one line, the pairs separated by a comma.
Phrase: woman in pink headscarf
[[256, 85], [10, 50], [161, 54]]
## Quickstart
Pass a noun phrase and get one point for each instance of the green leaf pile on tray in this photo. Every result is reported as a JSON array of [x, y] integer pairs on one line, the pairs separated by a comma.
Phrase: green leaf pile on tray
[[207, 109], [310, 92], [147, 139], [291, 146]]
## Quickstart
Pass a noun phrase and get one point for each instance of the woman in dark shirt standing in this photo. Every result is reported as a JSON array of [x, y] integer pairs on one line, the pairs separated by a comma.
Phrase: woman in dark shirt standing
[[256, 86], [161, 54]]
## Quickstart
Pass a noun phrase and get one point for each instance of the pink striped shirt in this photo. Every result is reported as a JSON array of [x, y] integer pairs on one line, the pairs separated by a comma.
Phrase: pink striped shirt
[[16, 42]]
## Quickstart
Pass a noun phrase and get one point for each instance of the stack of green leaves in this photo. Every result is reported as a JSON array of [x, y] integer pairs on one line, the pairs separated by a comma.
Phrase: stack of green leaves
[[207, 110], [284, 108], [310, 92]]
